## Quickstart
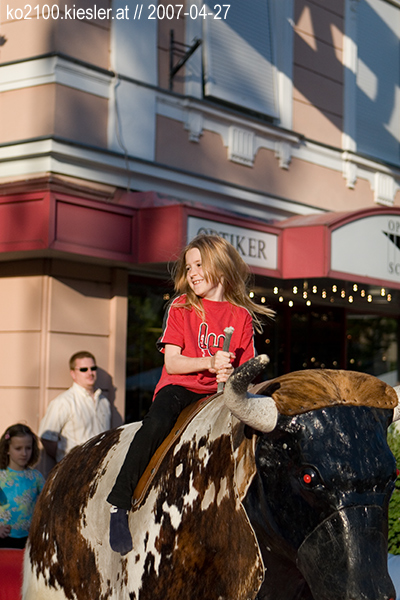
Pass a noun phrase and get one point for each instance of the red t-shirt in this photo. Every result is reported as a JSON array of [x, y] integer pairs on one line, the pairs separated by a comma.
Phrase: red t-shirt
[[197, 338]]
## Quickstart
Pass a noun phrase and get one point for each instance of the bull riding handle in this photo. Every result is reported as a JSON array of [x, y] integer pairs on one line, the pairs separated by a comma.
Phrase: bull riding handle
[[228, 331]]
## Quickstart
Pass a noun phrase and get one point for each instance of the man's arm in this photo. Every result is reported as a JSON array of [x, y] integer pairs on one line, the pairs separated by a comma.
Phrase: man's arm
[[52, 424], [50, 447]]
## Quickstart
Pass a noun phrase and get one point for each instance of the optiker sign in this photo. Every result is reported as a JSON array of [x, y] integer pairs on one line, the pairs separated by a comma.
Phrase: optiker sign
[[257, 248]]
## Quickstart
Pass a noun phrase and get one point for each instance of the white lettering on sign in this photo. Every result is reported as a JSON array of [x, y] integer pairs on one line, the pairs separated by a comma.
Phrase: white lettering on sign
[[257, 248]]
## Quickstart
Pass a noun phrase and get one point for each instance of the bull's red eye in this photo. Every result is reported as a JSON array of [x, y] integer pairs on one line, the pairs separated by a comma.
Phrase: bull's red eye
[[310, 477]]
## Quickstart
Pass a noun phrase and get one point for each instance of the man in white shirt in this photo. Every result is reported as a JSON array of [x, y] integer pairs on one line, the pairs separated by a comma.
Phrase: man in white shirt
[[77, 414]]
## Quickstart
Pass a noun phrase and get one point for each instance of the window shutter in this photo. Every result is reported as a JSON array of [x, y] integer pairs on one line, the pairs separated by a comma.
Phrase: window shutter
[[378, 69], [238, 57]]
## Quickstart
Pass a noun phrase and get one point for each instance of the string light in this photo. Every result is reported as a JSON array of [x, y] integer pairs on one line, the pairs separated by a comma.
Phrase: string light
[[251, 294], [305, 290], [166, 297]]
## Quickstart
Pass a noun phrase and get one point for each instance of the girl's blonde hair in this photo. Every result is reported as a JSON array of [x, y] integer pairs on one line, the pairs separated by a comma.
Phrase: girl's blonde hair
[[220, 262], [17, 430]]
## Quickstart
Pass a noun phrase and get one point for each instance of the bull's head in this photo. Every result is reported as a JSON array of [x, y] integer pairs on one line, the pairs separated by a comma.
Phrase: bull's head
[[325, 474]]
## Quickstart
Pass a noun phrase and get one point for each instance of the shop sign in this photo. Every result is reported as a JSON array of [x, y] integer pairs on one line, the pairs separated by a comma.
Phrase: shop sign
[[257, 248], [368, 247]]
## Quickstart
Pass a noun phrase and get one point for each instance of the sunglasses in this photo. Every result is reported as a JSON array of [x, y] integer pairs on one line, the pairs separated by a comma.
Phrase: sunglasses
[[84, 369]]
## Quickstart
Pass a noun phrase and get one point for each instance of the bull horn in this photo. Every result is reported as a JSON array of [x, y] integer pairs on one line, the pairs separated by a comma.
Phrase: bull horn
[[259, 412], [396, 411]]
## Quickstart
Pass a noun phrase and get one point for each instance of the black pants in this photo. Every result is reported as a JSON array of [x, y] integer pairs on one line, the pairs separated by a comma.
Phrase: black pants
[[12, 542], [157, 424]]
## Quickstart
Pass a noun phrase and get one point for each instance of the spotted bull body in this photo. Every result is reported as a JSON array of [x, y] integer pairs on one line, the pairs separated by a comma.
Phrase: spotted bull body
[[297, 513]]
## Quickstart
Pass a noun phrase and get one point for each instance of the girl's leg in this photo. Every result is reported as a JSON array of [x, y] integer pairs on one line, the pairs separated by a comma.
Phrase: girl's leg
[[11, 542], [163, 413]]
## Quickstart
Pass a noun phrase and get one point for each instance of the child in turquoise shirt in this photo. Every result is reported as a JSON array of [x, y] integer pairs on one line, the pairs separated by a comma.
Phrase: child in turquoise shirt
[[20, 485]]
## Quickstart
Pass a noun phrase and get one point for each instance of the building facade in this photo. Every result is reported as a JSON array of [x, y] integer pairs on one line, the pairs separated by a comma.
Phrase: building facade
[[126, 128]]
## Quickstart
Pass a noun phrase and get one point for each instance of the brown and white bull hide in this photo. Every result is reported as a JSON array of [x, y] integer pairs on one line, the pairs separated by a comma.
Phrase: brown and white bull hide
[[191, 536]]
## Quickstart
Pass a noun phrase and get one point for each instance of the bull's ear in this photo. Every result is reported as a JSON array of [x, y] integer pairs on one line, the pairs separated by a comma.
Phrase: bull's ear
[[396, 410]]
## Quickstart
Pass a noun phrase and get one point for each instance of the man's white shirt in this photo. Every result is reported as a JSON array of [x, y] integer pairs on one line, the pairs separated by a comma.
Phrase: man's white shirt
[[73, 417]]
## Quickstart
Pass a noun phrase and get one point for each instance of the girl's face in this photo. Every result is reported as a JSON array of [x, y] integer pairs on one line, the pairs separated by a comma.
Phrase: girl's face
[[20, 452], [197, 281]]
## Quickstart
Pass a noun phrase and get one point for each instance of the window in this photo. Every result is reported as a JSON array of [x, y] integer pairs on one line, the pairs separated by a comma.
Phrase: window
[[238, 56], [146, 307], [377, 80], [372, 346]]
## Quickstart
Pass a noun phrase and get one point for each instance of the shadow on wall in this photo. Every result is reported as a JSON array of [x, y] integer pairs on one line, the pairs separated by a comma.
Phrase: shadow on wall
[[374, 87], [105, 383]]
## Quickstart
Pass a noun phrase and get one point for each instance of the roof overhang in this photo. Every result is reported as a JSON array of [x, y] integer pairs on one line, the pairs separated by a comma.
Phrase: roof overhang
[[147, 229]]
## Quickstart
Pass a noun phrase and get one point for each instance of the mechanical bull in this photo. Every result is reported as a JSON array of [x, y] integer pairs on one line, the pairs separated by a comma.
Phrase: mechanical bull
[[233, 511]]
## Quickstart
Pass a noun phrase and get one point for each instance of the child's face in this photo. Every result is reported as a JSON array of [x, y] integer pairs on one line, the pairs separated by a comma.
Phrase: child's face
[[20, 452], [197, 280]]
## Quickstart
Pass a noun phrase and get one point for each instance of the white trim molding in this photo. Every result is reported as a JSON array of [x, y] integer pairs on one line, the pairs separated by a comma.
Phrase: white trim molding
[[54, 69]]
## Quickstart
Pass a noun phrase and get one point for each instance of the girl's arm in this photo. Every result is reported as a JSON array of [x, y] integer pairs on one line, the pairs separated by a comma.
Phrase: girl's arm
[[177, 364], [5, 530]]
